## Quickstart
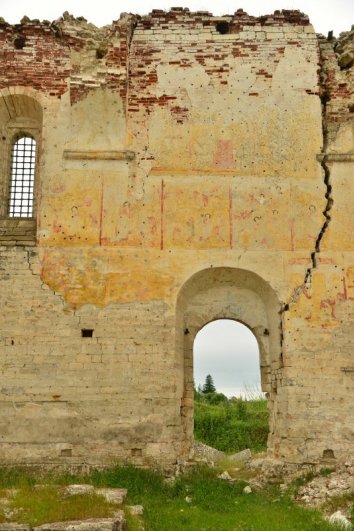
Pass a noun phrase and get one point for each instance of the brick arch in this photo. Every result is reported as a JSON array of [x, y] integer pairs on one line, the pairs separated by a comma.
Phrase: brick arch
[[228, 293], [22, 94], [15, 107]]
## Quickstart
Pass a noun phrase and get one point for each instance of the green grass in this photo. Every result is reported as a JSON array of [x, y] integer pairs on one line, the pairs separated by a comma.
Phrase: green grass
[[16, 477], [233, 425], [325, 471], [215, 504], [48, 504]]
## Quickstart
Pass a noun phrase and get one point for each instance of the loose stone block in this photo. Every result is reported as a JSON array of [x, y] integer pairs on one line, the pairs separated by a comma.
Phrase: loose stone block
[[93, 524]]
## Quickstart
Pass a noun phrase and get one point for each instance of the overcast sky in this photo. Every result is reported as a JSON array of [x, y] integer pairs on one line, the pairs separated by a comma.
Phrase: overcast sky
[[325, 15], [226, 350]]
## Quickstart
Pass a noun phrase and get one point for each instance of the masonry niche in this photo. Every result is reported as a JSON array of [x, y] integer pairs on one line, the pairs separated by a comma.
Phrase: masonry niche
[[228, 293]]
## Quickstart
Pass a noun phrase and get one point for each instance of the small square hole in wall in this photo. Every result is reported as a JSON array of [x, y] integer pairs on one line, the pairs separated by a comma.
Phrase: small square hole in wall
[[66, 452], [19, 42], [136, 452], [328, 454], [86, 332]]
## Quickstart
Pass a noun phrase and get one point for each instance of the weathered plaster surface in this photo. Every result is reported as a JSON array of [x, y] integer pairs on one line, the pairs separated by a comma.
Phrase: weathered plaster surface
[[184, 175]]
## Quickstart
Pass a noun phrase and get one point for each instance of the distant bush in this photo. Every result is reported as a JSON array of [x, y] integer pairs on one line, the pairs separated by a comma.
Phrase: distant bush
[[231, 425]]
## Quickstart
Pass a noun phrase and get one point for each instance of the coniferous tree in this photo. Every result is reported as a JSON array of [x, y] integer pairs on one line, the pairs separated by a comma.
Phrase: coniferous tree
[[209, 386]]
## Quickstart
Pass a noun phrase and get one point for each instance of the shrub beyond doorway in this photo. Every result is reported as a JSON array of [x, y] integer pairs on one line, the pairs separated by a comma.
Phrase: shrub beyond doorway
[[230, 425]]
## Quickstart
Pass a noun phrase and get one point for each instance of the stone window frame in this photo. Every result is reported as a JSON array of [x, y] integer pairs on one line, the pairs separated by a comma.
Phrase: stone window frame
[[15, 230]]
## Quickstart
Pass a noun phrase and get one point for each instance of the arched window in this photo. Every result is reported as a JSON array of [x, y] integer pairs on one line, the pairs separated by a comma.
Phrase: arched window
[[23, 167]]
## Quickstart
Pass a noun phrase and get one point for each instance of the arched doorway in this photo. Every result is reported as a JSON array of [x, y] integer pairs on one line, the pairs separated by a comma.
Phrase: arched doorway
[[228, 293], [230, 411]]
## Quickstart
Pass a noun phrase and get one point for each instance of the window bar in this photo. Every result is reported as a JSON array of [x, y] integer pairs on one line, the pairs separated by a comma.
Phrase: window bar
[[23, 166]]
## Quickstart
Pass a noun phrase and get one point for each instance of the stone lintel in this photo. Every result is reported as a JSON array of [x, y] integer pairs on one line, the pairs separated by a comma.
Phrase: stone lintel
[[99, 155]]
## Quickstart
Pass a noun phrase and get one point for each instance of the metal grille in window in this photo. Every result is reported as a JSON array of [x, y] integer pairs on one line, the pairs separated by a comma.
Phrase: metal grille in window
[[23, 166]]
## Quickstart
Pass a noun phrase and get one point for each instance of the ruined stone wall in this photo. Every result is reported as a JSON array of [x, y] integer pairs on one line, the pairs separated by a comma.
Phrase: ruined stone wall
[[170, 146]]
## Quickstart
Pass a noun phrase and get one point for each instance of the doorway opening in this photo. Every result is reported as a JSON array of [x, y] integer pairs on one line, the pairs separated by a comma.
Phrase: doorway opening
[[230, 410], [228, 351]]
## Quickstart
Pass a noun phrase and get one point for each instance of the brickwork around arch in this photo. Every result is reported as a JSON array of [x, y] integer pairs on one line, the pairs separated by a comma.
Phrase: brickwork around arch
[[189, 167]]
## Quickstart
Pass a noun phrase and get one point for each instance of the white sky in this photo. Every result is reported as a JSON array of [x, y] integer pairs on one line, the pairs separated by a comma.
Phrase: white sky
[[325, 15], [228, 351]]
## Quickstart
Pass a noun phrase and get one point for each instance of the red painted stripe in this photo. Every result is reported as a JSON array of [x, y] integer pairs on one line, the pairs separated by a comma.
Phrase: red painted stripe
[[101, 212], [230, 217], [162, 207]]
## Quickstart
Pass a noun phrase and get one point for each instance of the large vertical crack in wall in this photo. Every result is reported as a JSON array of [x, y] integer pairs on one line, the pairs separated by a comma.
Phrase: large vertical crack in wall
[[324, 95], [298, 290]]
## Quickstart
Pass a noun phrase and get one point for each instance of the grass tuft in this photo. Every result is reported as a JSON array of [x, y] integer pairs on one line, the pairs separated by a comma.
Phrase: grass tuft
[[325, 471]]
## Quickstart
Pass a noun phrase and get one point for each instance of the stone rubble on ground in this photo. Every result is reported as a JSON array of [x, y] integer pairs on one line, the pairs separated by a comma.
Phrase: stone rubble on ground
[[72, 490], [225, 475], [328, 483], [269, 471], [202, 450], [113, 495], [283, 487], [170, 480], [116, 523], [136, 510], [338, 483], [257, 462], [14, 527], [110, 495], [339, 520], [4, 504], [92, 524], [241, 457]]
